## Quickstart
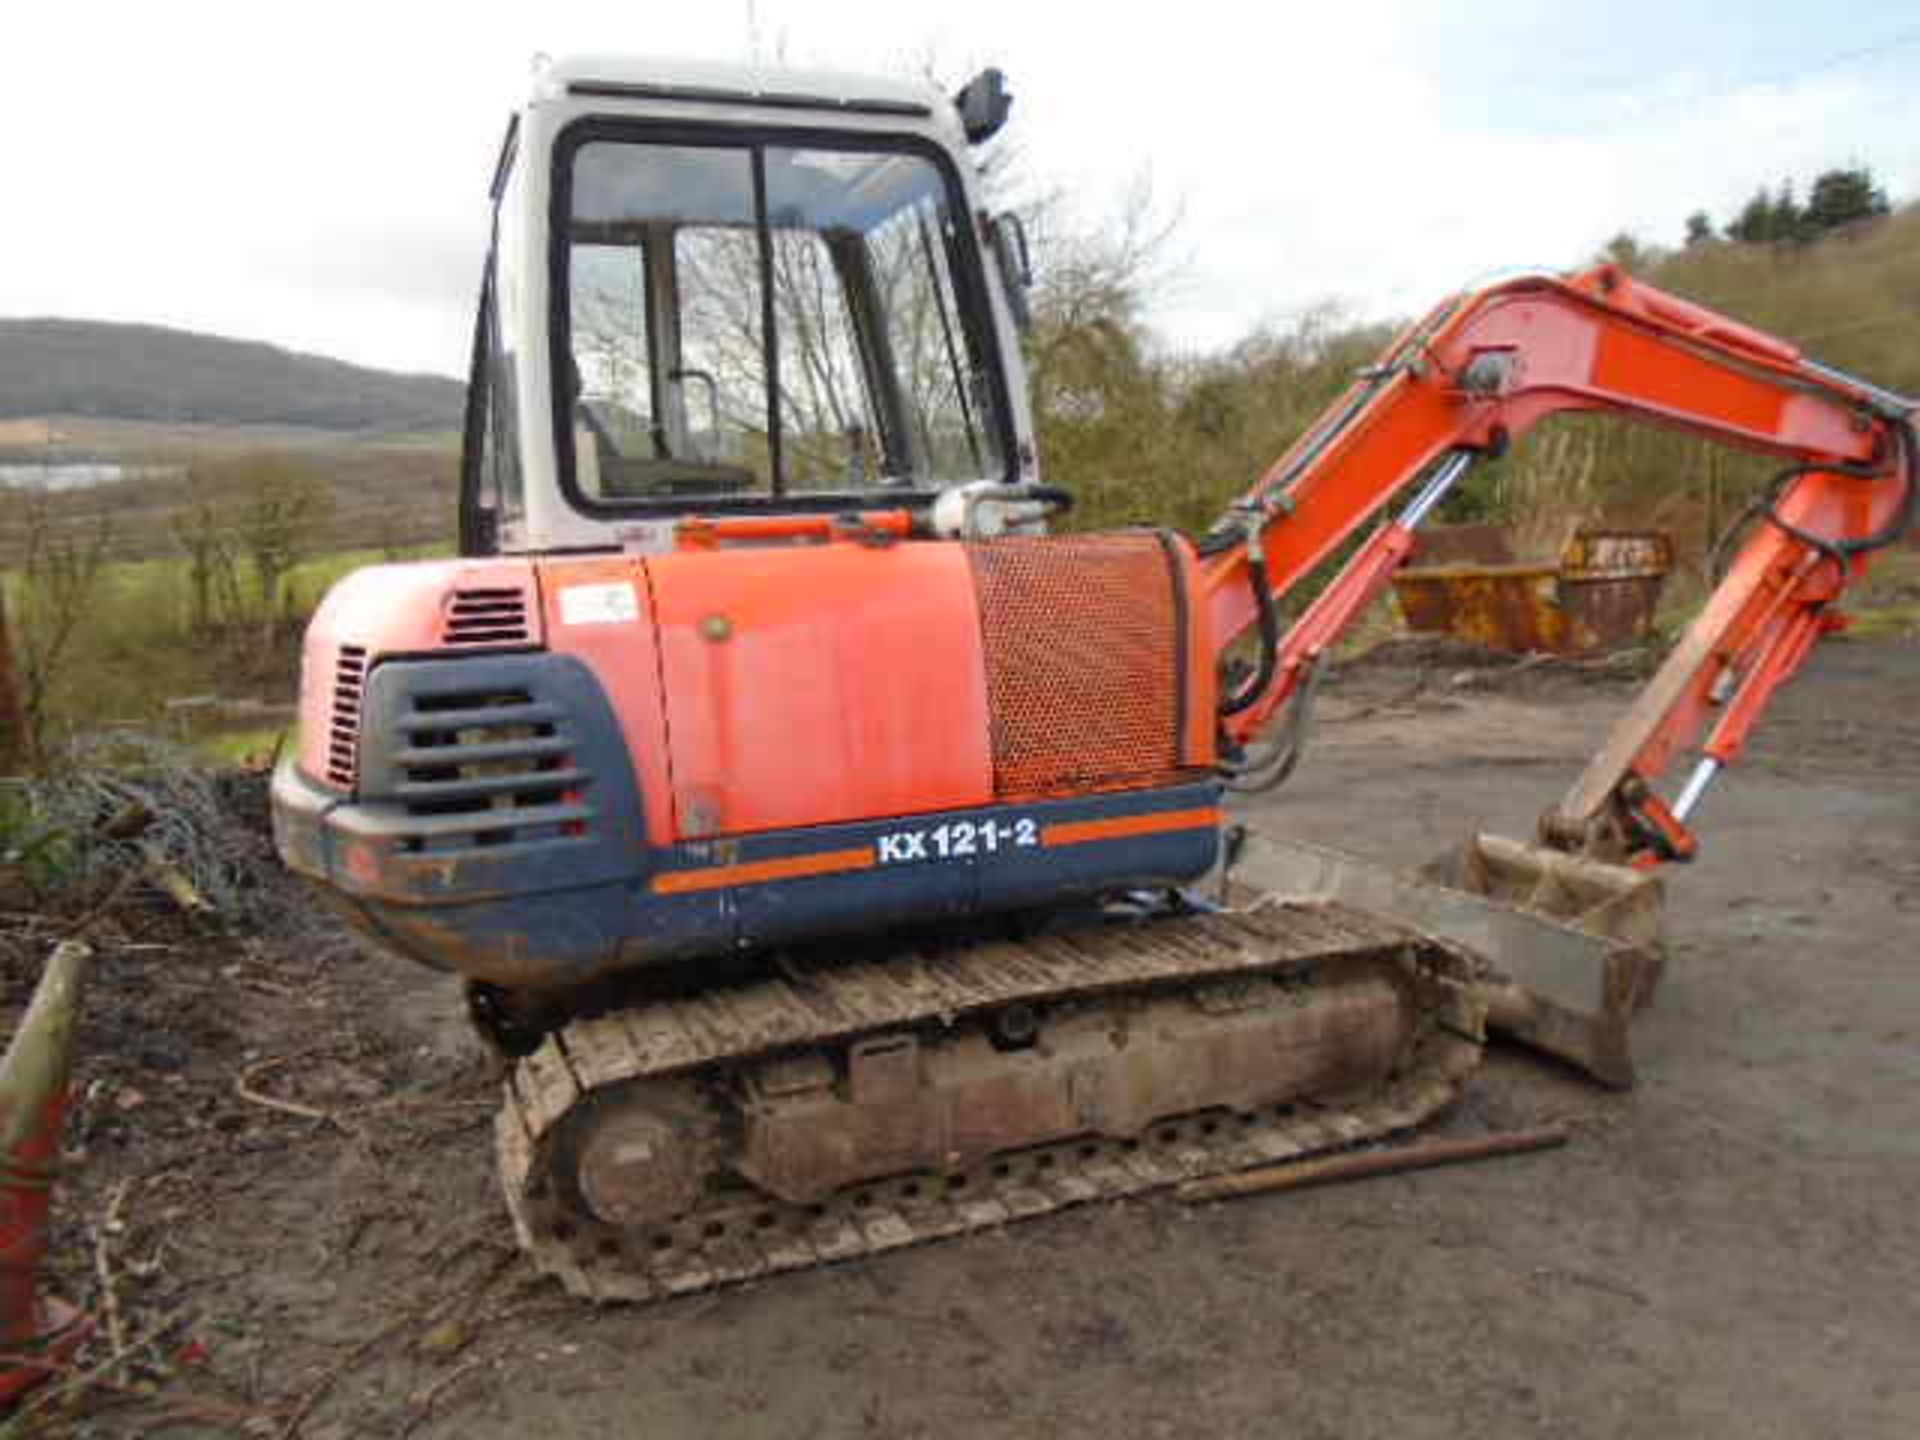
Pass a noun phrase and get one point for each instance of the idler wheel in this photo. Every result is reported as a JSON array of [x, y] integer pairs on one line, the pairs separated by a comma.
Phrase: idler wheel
[[643, 1155]]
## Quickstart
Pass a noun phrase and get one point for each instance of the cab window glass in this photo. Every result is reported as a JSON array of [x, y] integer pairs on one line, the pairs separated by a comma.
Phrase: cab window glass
[[757, 320]]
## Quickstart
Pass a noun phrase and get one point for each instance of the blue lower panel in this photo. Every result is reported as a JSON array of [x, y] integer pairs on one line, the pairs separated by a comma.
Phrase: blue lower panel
[[722, 896]]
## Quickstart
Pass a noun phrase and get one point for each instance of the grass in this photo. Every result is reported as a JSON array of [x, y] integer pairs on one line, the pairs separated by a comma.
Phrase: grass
[[1888, 622], [1888, 605], [134, 649], [252, 747]]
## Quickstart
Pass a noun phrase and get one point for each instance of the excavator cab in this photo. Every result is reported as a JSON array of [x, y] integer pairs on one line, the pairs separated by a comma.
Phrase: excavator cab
[[710, 294]]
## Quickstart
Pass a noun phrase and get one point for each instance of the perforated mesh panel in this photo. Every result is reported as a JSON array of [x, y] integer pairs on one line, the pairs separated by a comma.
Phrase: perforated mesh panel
[[1083, 649]]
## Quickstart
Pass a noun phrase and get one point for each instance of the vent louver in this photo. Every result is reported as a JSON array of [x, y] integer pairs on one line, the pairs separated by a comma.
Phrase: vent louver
[[488, 768], [343, 731], [495, 615]]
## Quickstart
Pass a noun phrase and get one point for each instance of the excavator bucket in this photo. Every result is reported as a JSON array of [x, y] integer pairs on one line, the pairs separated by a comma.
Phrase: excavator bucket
[[1615, 902], [1576, 944]]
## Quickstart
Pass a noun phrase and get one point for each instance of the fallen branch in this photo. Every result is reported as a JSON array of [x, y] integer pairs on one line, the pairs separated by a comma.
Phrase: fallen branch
[[1364, 1164], [243, 1086], [103, 1267], [78, 928], [173, 880], [328, 1377], [75, 1381], [246, 1087], [171, 1408], [423, 1400], [129, 821]]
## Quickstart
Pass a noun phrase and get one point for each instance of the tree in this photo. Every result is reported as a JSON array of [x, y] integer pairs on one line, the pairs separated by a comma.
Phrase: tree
[[1754, 224], [1628, 252], [1100, 390], [1839, 197], [279, 526], [1699, 229], [203, 531], [263, 511], [1769, 218], [59, 570], [1842, 197]]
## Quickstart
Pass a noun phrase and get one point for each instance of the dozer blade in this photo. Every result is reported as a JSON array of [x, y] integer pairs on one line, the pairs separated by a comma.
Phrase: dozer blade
[[1578, 942]]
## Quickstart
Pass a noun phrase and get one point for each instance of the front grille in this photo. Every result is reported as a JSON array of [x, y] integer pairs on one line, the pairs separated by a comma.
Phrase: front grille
[[487, 768], [493, 615], [1083, 643], [343, 730]]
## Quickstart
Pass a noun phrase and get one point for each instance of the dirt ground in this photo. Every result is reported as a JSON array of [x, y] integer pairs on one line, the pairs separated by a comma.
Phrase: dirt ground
[[1732, 1249]]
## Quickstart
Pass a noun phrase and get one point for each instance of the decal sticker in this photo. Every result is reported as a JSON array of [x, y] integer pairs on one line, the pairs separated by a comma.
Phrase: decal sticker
[[955, 840], [610, 604]]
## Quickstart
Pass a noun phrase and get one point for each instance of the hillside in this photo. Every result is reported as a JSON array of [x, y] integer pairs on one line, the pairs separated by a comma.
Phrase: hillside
[[1852, 298], [151, 373]]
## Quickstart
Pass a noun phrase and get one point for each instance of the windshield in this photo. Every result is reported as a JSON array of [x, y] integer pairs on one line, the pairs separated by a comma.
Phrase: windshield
[[769, 319]]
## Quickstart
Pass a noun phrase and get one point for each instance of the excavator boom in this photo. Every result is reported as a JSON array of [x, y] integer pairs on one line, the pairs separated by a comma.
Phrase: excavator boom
[[1477, 374]]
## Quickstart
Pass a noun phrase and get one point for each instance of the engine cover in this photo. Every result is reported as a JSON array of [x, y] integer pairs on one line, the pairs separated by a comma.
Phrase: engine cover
[[539, 773]]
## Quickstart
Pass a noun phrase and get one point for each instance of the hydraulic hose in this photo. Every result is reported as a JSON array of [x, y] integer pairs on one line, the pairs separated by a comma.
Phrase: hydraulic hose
[[1841, 551], [1898, 524], [1283, 755], [1269, 636]]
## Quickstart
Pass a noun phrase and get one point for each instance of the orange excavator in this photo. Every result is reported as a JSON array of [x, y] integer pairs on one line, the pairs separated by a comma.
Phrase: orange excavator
[[839, 856]]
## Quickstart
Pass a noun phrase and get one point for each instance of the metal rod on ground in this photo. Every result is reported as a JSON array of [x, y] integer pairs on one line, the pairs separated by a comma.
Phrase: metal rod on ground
[[1365, 1163]]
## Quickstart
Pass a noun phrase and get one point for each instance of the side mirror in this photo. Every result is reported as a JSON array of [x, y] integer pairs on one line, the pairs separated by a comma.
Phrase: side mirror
[[983, 103], [1015, 259]]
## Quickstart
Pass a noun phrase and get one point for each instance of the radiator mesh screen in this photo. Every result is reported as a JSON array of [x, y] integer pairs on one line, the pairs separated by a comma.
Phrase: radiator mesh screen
[[1083, 652]]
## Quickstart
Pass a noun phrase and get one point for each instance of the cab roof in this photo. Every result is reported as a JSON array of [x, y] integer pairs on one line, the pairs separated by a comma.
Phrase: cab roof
[[667, 78]]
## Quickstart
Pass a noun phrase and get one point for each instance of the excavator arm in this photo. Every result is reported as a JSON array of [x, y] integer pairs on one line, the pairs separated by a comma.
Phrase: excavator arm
[[1481, 371]]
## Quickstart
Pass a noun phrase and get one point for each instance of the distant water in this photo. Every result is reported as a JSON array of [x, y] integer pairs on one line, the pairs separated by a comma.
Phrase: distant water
[[78, 474]]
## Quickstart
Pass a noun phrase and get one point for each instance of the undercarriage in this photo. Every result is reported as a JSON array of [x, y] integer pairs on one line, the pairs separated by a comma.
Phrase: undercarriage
[[835, 1110]]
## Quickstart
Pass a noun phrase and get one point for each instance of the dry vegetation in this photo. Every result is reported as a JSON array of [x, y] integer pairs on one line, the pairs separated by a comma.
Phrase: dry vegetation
[[1140, 433]]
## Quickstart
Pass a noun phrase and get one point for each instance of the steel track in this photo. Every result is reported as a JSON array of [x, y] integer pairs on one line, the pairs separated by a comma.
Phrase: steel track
[[743, 1235]]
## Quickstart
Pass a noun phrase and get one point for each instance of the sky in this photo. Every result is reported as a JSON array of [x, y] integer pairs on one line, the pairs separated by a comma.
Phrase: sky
[[315, 176]]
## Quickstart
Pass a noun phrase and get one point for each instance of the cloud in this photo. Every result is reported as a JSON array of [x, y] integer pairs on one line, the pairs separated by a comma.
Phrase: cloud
[[320, 183], [1410, 206]]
